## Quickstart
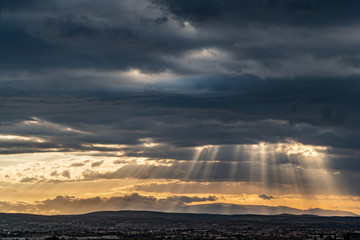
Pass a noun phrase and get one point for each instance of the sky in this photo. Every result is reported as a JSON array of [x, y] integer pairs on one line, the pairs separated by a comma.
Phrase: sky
[[179, 105]]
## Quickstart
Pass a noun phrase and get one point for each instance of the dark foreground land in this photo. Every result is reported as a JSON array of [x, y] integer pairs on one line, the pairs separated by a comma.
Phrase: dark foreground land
[[155, 225]]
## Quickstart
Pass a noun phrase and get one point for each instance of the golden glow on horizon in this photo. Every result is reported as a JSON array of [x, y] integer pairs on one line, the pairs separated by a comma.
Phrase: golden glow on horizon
[[303, 182], [112, 188]]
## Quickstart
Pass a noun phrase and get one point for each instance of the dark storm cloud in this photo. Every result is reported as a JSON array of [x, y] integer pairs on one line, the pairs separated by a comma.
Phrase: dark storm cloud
[[297, 12], [90, 35], [233, 111], [265, 38]]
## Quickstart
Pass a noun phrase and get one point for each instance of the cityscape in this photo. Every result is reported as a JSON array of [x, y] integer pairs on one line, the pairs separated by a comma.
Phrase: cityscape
[[156, 225]]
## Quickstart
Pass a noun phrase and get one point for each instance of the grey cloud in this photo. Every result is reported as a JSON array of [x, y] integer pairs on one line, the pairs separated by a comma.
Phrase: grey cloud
[[117, 29], [97, 164], [66, 173], [28, 179], [232, 111], [298, 12], [125, 36], [185, 199], [266, 197], [184, 171], [77, 164], [275, 176], [120, 162], [73, 205]]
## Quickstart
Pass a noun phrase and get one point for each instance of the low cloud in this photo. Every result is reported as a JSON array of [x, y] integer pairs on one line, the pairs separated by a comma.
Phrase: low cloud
[[73, 205], [186, 199], [28, 180], [266, 197], [66, 173], [70, 204], [97, 164], [77, 164]]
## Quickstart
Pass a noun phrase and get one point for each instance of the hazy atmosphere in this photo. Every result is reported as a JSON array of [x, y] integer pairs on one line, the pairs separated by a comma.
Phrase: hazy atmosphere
[[236, 106]]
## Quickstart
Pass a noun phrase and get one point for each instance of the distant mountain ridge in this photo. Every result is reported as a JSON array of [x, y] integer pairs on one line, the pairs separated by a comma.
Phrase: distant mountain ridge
[[218, 209], [231, 209]]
